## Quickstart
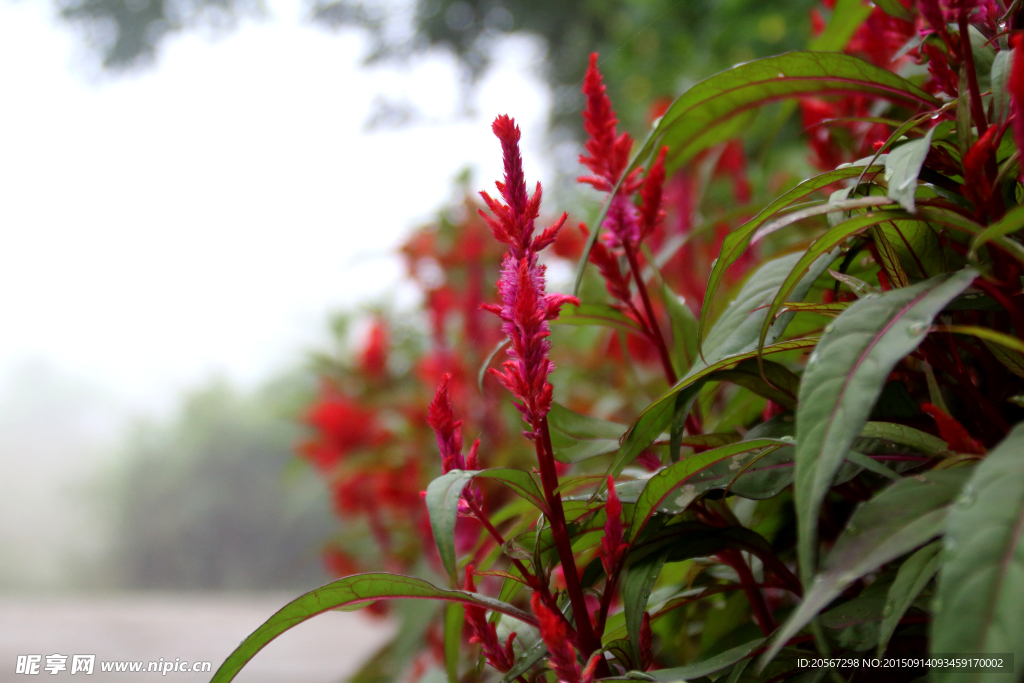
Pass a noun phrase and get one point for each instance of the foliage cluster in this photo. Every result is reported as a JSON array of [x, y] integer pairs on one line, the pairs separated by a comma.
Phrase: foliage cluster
[[788, 417]]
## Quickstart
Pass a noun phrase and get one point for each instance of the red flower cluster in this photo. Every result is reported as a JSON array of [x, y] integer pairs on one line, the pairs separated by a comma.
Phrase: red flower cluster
[[526, 308], [341, 427]]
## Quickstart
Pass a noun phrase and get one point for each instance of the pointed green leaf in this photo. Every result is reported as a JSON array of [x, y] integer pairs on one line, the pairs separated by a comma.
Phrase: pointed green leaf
[[843, 380], [684, 330], [914, 574], [980, 604], [347, 591], [905, 436], [737, 241], [894, 8], [904, 516], [707, 666], [777, 384], [443, 495], [637, 583], [533, 655], [847, 17], [902, 168], [576, 437], [1000, 91]]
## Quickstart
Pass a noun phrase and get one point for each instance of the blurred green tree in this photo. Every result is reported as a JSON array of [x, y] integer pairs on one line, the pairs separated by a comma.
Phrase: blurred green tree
[[216, 500]]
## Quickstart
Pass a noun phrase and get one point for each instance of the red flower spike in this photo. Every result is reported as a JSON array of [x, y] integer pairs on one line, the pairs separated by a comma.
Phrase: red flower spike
[[374, 357], [562, 659], [938, 66], [646, 638], [952, 432], [591, 667], [473, 457], [446, 428], [650, 196], [612, 545], [976, 185], [499, 656], [526, 308], [608, 152], [615, 280]]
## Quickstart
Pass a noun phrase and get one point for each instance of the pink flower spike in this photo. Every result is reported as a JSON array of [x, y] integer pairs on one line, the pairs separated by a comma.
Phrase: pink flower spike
[[562, 659], [498, 656], [612, 545], [446, 428], [608, 152]]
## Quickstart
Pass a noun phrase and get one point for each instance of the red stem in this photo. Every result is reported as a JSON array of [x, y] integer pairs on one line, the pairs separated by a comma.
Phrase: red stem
[[588, 641]]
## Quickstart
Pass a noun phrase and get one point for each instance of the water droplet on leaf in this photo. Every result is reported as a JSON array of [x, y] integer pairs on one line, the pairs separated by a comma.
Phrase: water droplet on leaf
[[919, 329]]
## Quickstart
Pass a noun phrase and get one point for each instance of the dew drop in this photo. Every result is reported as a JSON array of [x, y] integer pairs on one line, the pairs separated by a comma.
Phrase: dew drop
[[887, 611], [935, 116], [829, 327], [852, 530], [782, 75], [919, 329], [814, 358]]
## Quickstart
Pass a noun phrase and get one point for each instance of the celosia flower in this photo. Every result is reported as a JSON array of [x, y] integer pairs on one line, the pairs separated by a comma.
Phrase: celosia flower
[[612, 545], [448, 432], [374, 357], [562, 656], [952, 432], [341, 427], [483, 632], [525, 306]]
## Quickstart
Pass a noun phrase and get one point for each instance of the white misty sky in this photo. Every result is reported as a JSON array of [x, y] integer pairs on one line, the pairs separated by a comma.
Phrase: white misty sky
[[204, 214]]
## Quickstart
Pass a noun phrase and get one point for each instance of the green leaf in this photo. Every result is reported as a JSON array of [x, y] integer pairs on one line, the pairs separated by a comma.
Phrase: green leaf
[[847, 17], [1010, 223], [687, 124], [597, 314], [533, 655], [684, 330], [519, 482], [899, 519], [654, 419], [737, 241], [707, 666], [902, 168], [1000, 91], [576, 437], [890, 258], [454, 617], [487, 362], [352, 589], [1012, 360], [905, 436], [582, 426], [637, 583], [664, 483], [443, 495], [777, 383], [844, 378], [818, 252], [980, 603], [894, 8], [914, 574]]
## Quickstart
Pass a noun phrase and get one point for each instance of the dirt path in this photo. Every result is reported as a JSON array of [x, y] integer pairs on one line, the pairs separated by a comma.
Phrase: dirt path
[[191, 628]]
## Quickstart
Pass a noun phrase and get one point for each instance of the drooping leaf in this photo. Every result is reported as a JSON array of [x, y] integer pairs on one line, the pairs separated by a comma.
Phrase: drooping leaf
[[900, 518], [902, 168], [713, 102], [352, 589], [980, 603], [997, 232], [737, 241], [914, 574], [777, 384], [443, 495], [844, 378]]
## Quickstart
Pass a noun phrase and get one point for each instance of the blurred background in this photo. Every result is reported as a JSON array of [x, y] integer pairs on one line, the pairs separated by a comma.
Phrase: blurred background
[[196, 197]]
